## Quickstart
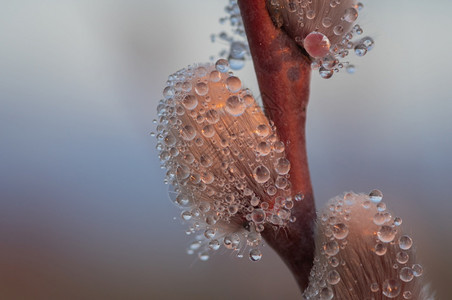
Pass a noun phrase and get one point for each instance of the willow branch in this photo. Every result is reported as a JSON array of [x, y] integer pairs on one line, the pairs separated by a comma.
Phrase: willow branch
[[283, 74]]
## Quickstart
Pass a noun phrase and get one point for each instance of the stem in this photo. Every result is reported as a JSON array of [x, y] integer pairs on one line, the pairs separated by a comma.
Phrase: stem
[[283, 72]]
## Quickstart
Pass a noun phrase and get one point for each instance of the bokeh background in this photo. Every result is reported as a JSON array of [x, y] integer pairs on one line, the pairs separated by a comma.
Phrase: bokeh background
[[83, 209]]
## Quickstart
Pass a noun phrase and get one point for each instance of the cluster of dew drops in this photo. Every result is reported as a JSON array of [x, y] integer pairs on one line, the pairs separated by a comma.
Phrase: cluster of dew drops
[[329, 60], [224, 160], [325, 275], [237, 49], [238, 52]]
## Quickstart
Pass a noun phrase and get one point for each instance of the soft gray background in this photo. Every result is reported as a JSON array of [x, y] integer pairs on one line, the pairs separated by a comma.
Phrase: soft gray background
[[84, 212]]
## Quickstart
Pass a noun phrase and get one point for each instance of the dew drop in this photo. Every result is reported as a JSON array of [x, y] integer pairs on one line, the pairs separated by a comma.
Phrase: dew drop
[[375, 196], [236, 63], [327, 22], [203, 256], [254, 201], [338, 30], [182, 172], [284, 214], [233, 209], [310, 14], [381, 206], [360, 50], [281, 182], [170, 140], [215, 76], [233, 84], [201, 71], [374, 287], [317, 44], [333, 277], [351, 69], [248, 99], [261, 174], [288, 204], [214, 245], [299, 197], [190, 102], [326, 293], [208, 131], [279, 147], [222, 65], [205, 161], [351, 14], [231, 241], [391, 288], [282, 166], [235, 106], [331, 248], [207, 177], [258, 216], [168, 92], [386, 234], [291, 6], [201, 88], [186, 86], [380, 249], [405, 242], [406, 274], [367, 42], [366, 204], [188, 133], [263, 148], [329, 62], [340, 231], [402, 257], [255, 255], [238, 50], [407, 295], [325, 73], [271, 190], [195, 245], [253, 239], [417, 270], [186, 215], [262, 130], [212, 116]]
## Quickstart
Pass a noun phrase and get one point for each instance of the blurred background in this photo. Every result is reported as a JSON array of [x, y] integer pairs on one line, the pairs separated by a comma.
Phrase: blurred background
[[84, 213]]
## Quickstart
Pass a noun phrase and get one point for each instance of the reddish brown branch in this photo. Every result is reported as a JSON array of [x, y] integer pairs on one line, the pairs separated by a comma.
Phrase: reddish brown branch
[[283, 73]]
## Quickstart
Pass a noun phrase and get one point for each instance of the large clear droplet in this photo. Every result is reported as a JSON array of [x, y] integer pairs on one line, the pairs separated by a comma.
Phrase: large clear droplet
[[333, 277], [255, 255], [258, 216], [282, 166], [233, 84], [190, 102], [406, 274], [375, 196], [351, 14], [235, 106], [391, 288], [340, 231], [386, 234], [331, 248], [405, 242], [261, 174], [222, 65]]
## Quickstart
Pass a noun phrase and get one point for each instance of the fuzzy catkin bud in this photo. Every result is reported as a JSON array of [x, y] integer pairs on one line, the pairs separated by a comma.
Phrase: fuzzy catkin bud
[[224, 160], [363, 253], [326, 29]]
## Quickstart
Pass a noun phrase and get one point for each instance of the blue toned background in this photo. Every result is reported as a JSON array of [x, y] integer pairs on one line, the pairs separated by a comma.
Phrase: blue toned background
[[83, 209]]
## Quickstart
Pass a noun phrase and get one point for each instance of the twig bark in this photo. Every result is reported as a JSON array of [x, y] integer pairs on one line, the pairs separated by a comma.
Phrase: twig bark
[[283, 73]]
